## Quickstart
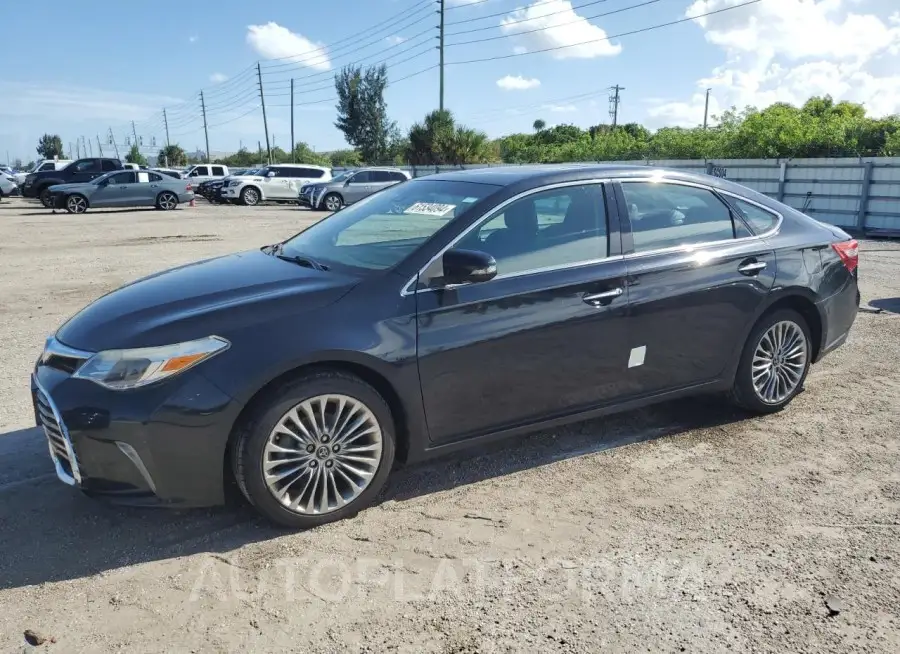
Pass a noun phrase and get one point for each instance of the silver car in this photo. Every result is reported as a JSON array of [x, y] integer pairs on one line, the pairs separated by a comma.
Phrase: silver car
[[349, 187], [122, 188]]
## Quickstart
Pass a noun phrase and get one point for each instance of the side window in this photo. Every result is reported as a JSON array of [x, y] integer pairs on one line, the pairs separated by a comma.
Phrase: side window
[[313, 173], [218, 171], [155, 177], [380, 176], [362, 178], [397, 177], [278, 171], [759, 219], [559, 227], [669, 215], [47, 166], [200, 171], [106, 165], [126, 177], [83, 166]]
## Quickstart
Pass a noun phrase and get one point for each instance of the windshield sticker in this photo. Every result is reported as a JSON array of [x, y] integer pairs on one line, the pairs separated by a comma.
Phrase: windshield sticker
[[430, 208]]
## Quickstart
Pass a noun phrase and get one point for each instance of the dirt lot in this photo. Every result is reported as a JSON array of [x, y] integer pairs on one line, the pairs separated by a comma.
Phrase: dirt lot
[[688, 527]]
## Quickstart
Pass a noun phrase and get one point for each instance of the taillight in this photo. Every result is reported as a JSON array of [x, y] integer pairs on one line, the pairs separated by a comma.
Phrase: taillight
[[848, 251], [191, 188]]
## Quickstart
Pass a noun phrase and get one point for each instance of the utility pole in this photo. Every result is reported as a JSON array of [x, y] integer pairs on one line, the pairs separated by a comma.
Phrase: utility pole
[[77, 148], [706, 109], [166, 122], [292, 122], [614, 104], [205, 129], [441, 100], [87, 143], [99, 147], [70, 149], [112, 137], [262, 99], [259, 149]]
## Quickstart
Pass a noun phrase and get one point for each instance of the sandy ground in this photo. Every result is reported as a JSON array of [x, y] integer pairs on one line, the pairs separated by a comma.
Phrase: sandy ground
[[687, 527]]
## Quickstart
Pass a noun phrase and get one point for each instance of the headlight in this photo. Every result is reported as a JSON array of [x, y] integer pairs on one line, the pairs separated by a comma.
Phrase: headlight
[[123, 369], [29, 179]]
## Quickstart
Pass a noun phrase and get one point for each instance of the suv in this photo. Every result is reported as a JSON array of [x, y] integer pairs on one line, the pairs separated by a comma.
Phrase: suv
[[37, 184], [205, 172], [42, 166], [349, 187], [280, 182]]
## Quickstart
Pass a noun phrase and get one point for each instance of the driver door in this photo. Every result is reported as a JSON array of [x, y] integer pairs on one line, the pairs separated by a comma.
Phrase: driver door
[[116, 192], [357, 187]]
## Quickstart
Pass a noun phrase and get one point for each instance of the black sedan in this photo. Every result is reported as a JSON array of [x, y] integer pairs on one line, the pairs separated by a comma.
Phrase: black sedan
[[443, 312]]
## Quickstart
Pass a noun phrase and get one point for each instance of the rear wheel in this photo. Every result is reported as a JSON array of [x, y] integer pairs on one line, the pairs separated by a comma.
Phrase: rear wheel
[[166, 201], [44, 197], [774, 363], [76, 204], [319, 450], [250, 196]]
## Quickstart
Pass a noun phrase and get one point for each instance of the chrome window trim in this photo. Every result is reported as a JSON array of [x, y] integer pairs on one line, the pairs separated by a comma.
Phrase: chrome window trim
[[54, 347], [408, 287], [690, 247]]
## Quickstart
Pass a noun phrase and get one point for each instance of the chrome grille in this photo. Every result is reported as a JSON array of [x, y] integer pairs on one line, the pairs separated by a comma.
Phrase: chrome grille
[[61, 450]]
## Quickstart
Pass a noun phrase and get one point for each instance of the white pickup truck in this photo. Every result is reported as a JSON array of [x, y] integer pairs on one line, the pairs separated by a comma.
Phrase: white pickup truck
[[41, 166], [205, 172]]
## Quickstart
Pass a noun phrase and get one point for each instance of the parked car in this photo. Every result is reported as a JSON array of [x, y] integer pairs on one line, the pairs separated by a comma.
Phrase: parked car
[[42, 166], [127, 188], [135, 166], [204, 172], [349, 187], [37, 185], [449, 310], [168, 172], [7, 186], [280, 182]]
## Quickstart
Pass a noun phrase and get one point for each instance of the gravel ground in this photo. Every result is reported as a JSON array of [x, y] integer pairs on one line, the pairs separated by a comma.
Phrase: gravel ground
[[686, 527]]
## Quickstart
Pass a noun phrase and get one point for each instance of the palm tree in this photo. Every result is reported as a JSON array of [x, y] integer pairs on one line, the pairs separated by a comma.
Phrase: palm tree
[[539, 125]]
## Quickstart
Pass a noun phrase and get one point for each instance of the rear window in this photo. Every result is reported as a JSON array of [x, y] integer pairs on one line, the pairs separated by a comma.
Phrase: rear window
[[106, 165], [218, 171], [760, 220]]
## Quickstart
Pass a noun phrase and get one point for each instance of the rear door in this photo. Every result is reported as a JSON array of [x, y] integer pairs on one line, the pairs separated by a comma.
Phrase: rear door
[[83, 170], [696, 277], [546, 337]]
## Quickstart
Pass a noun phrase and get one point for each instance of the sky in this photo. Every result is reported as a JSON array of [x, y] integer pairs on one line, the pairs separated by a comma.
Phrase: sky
[[108, 64]]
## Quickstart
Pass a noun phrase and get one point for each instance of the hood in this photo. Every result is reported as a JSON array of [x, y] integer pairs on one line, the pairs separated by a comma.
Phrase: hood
[[215, 296]]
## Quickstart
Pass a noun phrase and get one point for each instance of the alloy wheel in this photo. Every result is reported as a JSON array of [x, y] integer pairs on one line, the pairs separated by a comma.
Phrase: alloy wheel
[[251, 197], [76, 204], [322, 454], [332, 203], [167, 202], [779, 362]]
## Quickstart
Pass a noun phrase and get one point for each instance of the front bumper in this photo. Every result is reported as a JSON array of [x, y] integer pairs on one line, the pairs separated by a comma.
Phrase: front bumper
[[163, 444], [29, 191]]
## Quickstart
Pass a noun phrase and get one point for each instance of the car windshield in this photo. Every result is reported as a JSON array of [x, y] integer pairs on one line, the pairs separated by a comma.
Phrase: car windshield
[[380, 231]]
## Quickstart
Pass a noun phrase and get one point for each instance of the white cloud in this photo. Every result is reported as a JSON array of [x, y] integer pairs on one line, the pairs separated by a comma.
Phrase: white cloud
[[193, 38], [76, 103], [518, 83], [789, 50], [218, 78], [520, 49], [273, 41], [395, 40], [563, 28]]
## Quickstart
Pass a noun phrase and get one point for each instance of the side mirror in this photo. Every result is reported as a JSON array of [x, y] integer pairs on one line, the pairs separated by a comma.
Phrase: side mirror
[[468, 267], [271, 173], [347, 183]]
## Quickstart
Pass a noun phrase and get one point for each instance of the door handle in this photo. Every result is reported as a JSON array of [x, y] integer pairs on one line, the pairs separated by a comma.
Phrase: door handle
[[751, 267], [604, 297]]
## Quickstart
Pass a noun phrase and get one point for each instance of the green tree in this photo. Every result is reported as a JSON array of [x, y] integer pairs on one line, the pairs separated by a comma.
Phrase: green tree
[[303, 154], [539, 125], [362, 110], [892, 144], [134, 156], [425, 138], [50, 146], [172, 156], [345, 158]]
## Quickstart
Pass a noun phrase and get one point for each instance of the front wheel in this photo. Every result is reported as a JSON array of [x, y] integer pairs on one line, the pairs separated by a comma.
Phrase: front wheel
[[166, 201], [333, 202], [319, 450], [76, 204], [45, 198], [774, 363], [250, 197]]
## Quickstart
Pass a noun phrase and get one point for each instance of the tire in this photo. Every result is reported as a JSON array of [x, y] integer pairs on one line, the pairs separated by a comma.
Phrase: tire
[[250, 197], [249, 451], [795, 333], [44, 197], [166, 201], [76, 203], [333, 202]]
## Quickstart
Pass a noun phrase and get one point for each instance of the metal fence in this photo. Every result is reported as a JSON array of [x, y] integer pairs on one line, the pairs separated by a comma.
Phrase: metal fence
[[861, 195]]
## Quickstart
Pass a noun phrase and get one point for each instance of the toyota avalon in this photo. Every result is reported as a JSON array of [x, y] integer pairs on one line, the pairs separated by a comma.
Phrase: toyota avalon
[[439, 313]]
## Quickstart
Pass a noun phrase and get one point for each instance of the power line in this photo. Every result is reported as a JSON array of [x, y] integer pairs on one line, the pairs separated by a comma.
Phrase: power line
[[469, 4], [524, 20], [606, 38], [542, 29]]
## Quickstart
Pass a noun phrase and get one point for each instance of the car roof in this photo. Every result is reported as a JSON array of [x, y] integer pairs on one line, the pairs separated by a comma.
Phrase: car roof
[[293, 165]]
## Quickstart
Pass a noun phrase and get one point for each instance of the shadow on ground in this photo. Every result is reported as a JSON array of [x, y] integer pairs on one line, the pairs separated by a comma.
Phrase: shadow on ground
[[889, 305], [50, 532]]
